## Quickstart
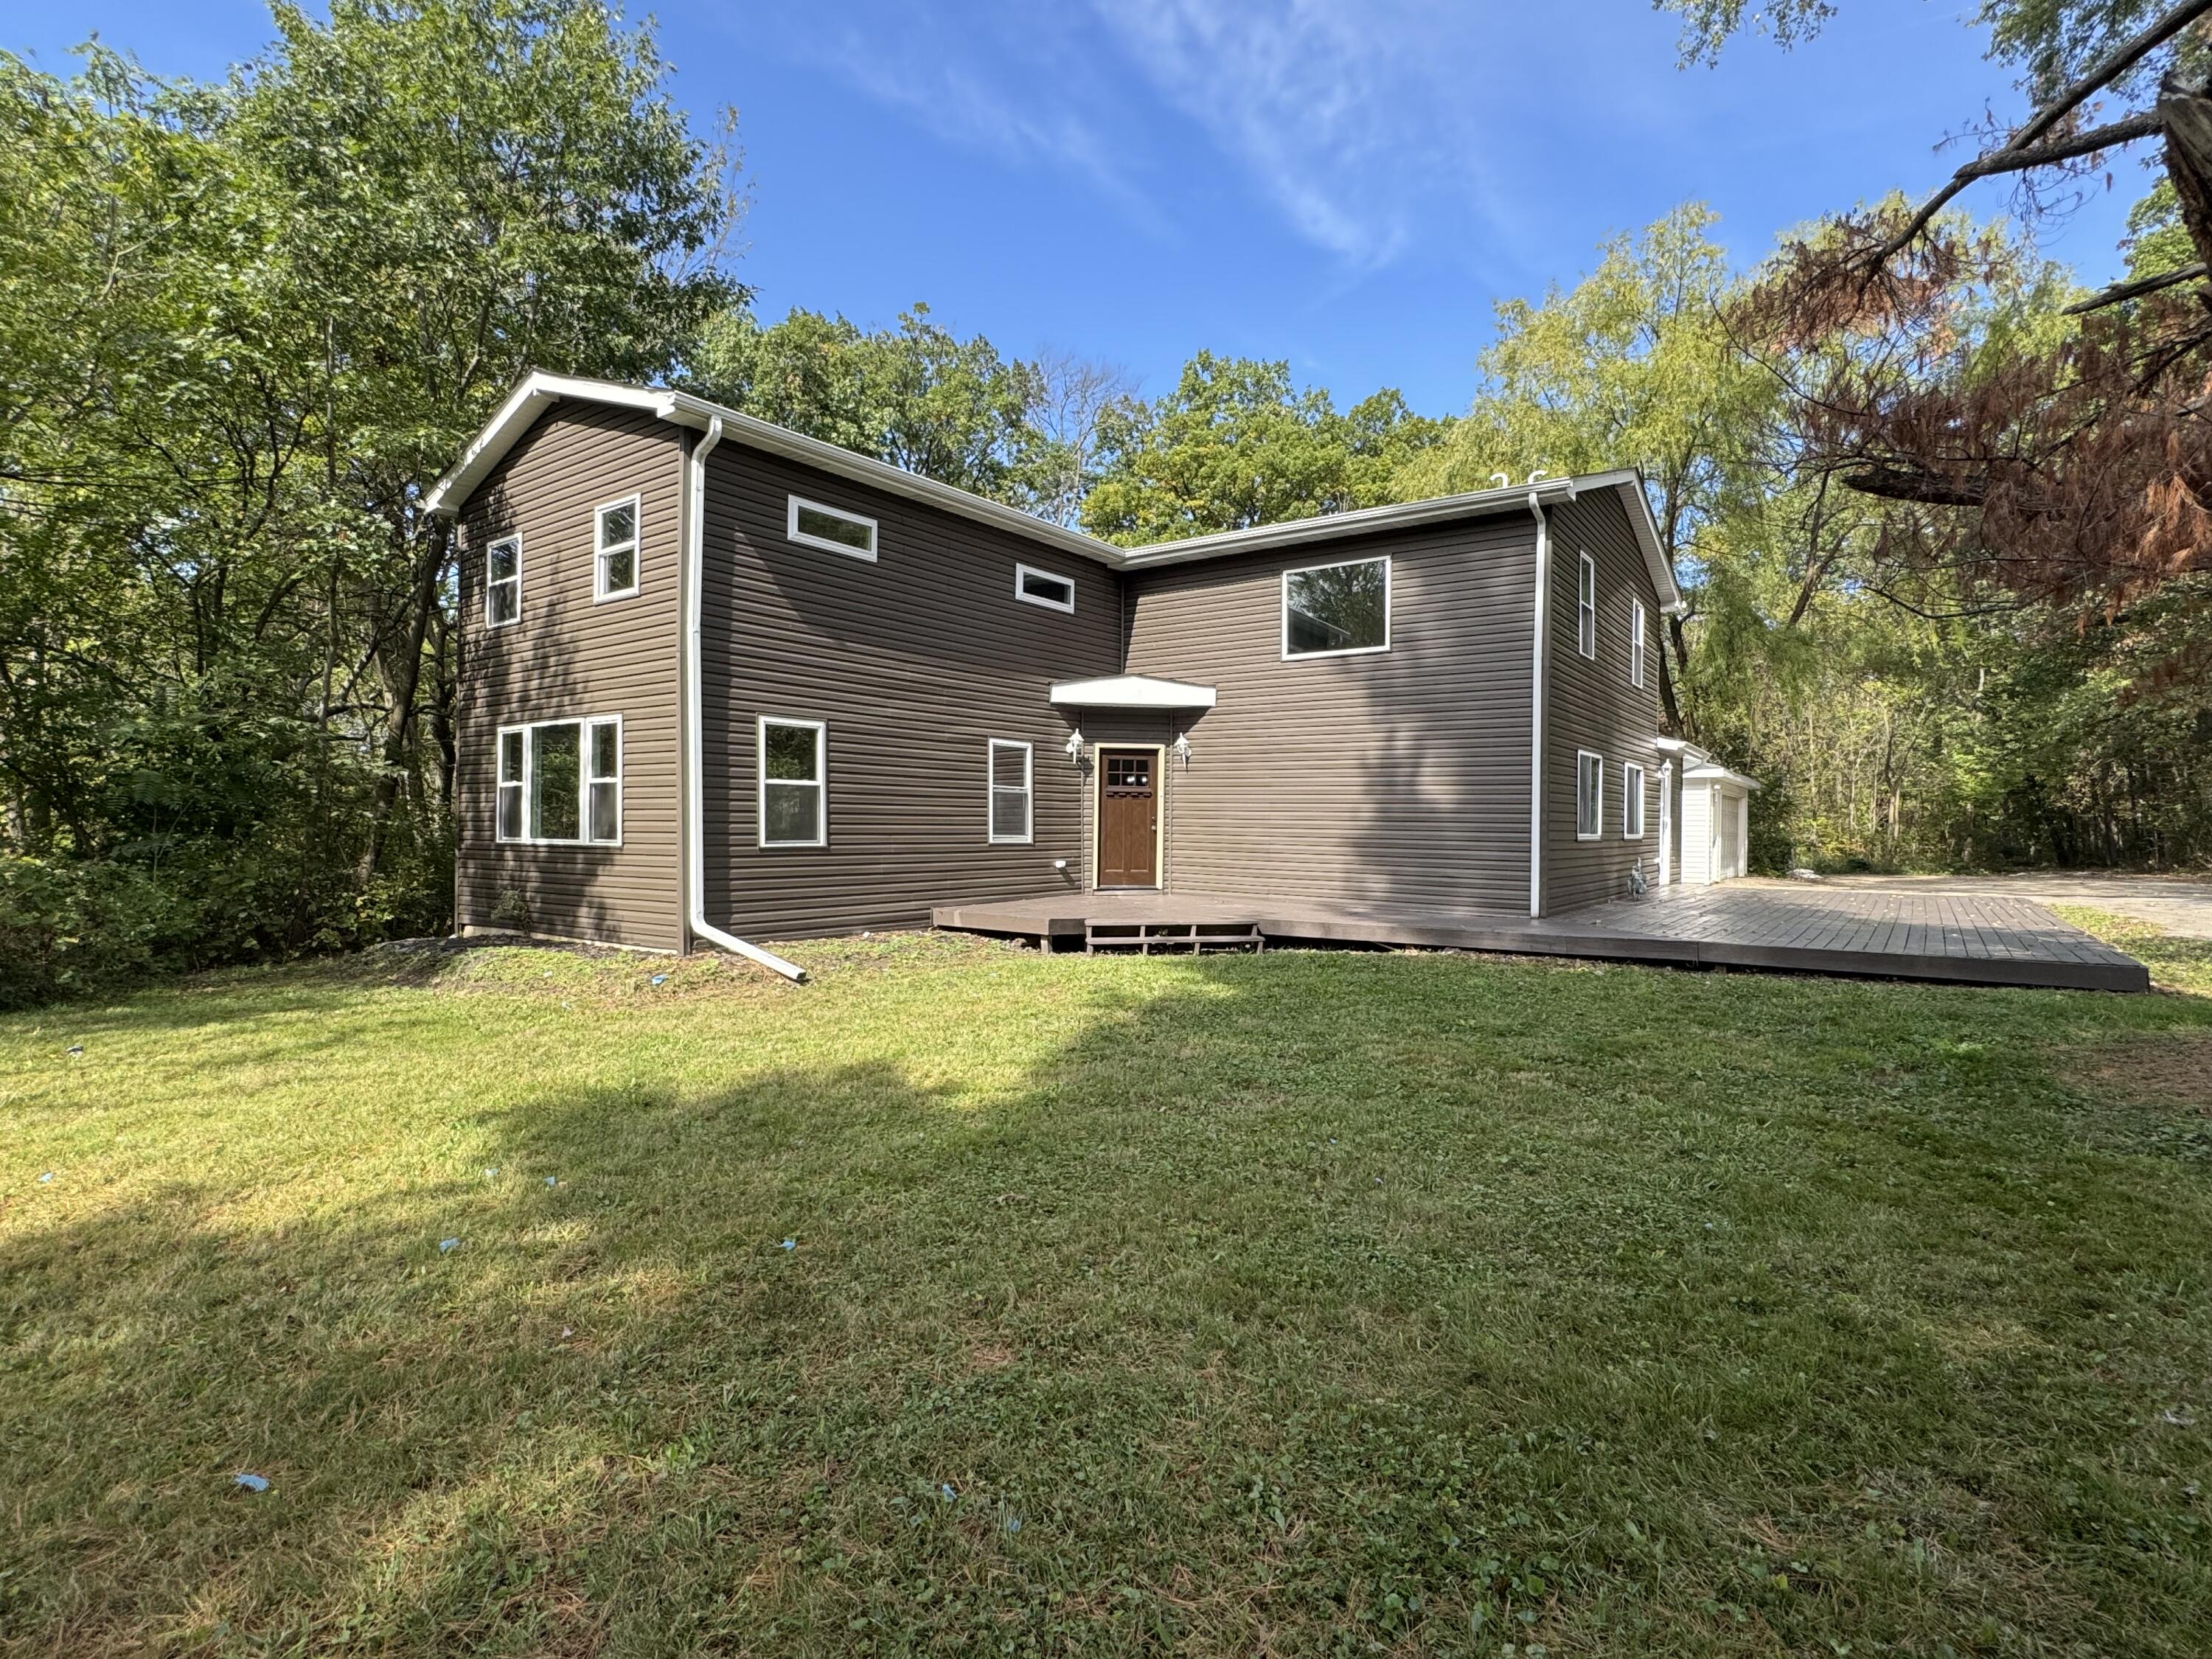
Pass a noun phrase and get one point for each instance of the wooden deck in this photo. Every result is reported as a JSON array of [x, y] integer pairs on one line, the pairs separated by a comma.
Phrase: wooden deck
[[1791, 925]]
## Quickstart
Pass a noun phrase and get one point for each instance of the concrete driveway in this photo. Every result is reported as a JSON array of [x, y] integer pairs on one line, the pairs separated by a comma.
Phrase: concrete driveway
[[2179, 904]]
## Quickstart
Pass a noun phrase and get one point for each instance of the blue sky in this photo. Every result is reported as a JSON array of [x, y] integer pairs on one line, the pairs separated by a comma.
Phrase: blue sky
[[1347, 184]]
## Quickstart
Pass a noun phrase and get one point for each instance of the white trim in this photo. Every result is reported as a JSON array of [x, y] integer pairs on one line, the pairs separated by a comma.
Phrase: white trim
[[1597, 814], [692, 864], [1023, 571], [1586, 607], [537, 392], [795, 504], [1638, 622], [1666, 859], [601, 548], [1539, 634], [1631, 794], [991, 790], [819, 783], [1130, 691], [491, 547], [584, 725], [1289, 655]]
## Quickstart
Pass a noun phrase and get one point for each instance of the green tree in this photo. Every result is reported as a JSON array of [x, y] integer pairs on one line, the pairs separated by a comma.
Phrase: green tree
[[1236, 443]]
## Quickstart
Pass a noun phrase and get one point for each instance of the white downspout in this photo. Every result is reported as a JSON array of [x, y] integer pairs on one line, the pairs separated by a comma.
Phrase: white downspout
[[695, 761], [1540, 631]]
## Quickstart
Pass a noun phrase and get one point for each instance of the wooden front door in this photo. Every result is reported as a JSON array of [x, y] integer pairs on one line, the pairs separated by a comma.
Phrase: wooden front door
[[1128, 818]]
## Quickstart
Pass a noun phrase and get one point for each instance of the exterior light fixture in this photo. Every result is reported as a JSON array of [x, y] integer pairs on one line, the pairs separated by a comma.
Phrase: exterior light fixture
[[1075, 747], [1181, 748]]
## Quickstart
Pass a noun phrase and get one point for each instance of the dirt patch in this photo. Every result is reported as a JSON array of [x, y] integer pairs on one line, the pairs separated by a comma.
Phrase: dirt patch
[[2170, 1070]]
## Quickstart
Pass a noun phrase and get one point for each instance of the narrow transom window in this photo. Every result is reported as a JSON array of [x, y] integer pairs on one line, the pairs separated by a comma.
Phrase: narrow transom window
[[1035, 587], [1336, 610], [561, 781], [1586, 609], [816, 525], [615, 567], [1589, 795], [503, 582], [1012, 801], [1632, 802], [1637, 626], [791, 783]]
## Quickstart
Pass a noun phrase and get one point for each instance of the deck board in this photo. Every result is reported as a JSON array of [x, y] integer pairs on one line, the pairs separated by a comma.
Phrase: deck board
[[1793, 925]]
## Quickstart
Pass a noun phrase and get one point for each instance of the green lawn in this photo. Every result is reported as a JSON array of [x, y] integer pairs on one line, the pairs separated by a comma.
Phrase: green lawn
[[1315, 1302]]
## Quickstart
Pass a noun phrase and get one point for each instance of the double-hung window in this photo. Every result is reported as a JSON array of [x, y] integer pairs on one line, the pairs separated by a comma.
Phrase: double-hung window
[[1632, 802], [1337, 610], [794, 808], [1589, 795], [560, 781], [1586, 608], [503, 582], [1012, 808], [613, 564], [1637, 625]]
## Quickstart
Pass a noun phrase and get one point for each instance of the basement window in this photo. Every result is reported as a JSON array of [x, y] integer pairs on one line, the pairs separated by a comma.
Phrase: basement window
[[1589, 795], [1012, 799], [503, 582], [1337, 610], [792, 788], [1035, 587], [560, 783], [615, 564], [812, 525], [1632, 802]]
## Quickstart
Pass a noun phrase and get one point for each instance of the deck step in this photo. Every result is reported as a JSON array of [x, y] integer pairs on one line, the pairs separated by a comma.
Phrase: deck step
[[1153, 937]]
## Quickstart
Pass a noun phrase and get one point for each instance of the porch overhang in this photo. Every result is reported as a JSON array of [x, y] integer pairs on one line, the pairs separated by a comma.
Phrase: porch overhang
[[1719, 774], [1131, 692]]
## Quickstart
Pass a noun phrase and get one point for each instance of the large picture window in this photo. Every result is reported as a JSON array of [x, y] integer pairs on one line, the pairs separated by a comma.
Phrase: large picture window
[[1589, 795], [1632, 802], [1586, 608], [1012, 803], [503, 582], [792, 793], [559, 782], [1337, 610], [614, 565]]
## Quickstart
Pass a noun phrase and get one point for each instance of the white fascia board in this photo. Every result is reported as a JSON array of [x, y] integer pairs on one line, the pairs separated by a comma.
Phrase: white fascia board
[[1629, 483], [1131, 692], [532, 396], [1719, 774], [1403, 515]]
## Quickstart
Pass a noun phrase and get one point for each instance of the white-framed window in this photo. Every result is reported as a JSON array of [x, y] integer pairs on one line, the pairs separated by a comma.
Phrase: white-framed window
[[1012, 797], [812, 525], [1632, 801], [1035, 587], [794, 790], [1589, 795], [503, 582], [1638, 624], [1337, 610], [614, 559], [559, 782], [1586, 608]]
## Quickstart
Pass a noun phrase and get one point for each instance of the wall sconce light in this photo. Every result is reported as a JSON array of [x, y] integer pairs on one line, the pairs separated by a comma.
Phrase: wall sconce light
[[1181, 748], [1075, 747]]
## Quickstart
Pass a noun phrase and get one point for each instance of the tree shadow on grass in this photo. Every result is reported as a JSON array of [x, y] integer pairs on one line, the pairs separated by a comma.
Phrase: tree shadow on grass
[[1284, 1302]]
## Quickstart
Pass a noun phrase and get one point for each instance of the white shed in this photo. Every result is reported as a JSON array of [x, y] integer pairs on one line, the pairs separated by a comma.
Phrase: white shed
[[1715, 820]]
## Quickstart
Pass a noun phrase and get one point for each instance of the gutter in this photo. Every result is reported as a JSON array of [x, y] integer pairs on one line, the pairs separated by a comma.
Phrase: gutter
[[1538, 650], [694, 763]]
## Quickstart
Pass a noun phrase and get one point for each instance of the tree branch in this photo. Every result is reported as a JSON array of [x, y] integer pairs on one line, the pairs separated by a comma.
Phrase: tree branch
[[2135, 290]]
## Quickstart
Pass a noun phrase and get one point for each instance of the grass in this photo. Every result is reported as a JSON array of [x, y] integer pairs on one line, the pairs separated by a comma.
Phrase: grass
[[972, 1301]]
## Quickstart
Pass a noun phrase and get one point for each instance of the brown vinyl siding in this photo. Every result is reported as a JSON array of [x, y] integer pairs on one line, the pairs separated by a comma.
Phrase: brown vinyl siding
[[913, 661], [1592, 704], [568, 657], [1399, 776]]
